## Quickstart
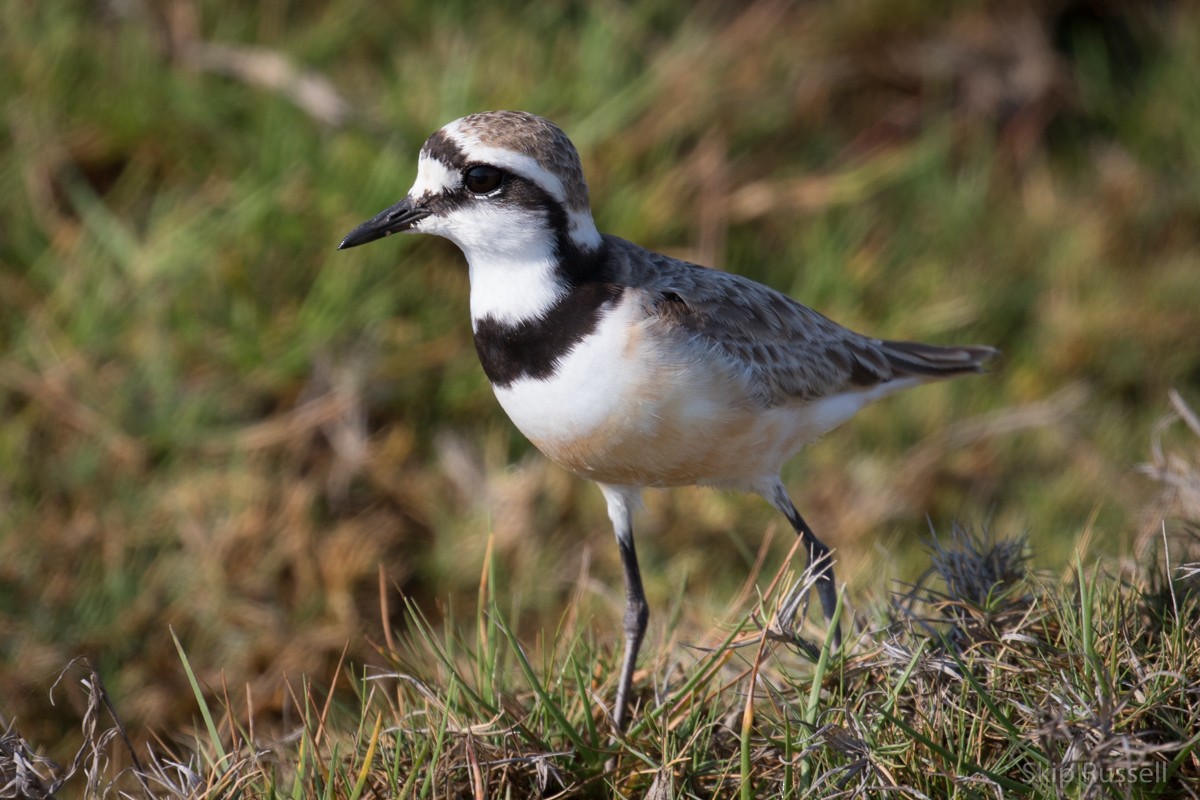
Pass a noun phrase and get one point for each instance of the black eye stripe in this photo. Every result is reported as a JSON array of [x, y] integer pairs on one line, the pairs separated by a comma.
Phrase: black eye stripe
[[518, 191]]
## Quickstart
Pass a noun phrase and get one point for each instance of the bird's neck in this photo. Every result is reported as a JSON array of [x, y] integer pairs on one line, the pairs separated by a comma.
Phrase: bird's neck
[[512, 290], [523, 281]]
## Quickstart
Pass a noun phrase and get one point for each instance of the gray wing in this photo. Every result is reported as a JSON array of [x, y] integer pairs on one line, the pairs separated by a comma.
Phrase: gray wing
[[789, 351]]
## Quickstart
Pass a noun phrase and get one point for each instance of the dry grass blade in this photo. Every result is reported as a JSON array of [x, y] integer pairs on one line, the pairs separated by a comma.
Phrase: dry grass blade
[[25, 774], [274, 72], [1178, 473], [261, 67]]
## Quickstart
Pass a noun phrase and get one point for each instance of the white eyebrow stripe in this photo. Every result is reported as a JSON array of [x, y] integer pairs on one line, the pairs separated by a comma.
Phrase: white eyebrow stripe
[[525, 166], [433, 177]]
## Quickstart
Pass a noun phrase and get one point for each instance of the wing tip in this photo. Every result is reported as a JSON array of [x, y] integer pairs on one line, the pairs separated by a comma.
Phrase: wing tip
[[917, 358]]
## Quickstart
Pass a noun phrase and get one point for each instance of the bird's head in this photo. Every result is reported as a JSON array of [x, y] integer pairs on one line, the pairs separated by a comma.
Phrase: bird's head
[[500, 184]]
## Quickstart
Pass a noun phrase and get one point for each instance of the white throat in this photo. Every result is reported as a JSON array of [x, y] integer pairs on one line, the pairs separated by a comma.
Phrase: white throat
[[512, 291], [512, 260]]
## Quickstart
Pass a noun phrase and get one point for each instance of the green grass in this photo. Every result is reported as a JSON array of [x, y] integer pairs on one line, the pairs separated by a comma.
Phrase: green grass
[[213, 423], [984, 679]]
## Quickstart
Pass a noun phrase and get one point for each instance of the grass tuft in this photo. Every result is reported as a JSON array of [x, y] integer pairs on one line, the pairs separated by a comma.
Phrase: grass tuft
[[985, 679]]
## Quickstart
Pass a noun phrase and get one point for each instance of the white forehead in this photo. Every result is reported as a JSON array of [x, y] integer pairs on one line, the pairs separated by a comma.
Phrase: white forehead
[[433, 178]]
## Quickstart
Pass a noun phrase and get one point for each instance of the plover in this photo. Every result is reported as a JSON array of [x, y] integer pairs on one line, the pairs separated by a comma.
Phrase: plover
[[629, 367]]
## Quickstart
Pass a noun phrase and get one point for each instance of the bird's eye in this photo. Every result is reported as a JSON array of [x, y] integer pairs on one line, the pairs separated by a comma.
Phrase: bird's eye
[[482, 179]]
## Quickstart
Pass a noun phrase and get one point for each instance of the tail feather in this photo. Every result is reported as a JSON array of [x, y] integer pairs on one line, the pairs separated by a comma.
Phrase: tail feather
[[936, 361]]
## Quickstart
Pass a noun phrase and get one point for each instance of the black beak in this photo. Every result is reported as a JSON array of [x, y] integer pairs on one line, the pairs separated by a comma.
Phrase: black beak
[[399, 217]]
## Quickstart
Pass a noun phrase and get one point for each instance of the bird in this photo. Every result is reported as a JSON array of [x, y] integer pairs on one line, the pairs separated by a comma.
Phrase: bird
[[628, 367]]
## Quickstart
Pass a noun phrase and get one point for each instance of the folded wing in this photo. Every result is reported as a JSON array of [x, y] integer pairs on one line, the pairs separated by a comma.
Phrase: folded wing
[[790, 352]]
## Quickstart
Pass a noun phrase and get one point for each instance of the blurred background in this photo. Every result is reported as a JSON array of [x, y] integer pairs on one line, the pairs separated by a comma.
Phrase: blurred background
[[211, 420]]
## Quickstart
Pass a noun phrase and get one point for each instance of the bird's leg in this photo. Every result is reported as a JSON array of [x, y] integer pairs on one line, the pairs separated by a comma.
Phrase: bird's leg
[[637, 611], [818, 554]]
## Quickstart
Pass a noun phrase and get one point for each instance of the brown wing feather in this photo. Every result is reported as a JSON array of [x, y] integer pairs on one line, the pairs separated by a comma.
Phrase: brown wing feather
[[789, 351]]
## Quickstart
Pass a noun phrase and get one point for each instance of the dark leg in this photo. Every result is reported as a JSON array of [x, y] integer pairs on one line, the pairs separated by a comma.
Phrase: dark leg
[[637, 611], [818, 554]]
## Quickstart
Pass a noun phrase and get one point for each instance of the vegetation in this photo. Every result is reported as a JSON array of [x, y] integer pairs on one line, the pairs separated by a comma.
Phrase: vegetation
[[254, 482]]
